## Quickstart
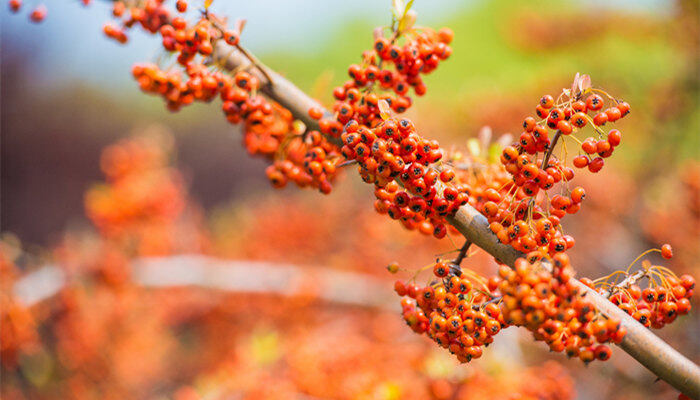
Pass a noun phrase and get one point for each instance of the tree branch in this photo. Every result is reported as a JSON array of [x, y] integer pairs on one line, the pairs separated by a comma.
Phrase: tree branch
[[236, 276], [647, 348]]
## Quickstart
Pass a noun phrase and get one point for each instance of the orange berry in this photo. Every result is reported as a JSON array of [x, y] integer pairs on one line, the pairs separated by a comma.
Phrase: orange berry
[[666, 251]]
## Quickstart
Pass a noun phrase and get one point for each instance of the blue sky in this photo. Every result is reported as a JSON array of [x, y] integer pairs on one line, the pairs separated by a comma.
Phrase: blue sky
[[69, 45]]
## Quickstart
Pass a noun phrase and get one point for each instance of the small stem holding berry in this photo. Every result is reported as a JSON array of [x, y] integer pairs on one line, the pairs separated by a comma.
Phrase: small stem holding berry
[[627, 282], [550, 149], [462, 253]]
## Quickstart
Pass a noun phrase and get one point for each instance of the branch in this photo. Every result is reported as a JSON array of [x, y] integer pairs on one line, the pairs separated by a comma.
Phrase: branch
[[337, 287], [639, 342], [462, 253], [282, 91]]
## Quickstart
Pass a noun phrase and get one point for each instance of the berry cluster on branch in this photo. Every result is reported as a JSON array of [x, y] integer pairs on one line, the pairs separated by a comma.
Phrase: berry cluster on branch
[[544, 302], [521, 212], [524, 197], [665, 297], [454, 312]]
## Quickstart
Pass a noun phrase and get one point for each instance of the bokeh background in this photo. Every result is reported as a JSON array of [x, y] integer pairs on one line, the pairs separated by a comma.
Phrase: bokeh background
[[67, 93]]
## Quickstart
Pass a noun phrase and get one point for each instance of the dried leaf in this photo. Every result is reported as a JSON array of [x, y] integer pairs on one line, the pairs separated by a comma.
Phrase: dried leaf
[[494, 153], [239, 25], [574, 85], [207, 3], [505, 139], [585, 83], [384, 109], [298, 127], [409, 5]]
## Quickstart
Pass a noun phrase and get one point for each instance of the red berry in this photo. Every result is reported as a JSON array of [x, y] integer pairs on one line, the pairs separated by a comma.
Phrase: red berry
[[38, 14], [600, 119], [580, 161], [666, 251], [547, 101], [15, 5], [614, 137], [594, 102], [596, 164]]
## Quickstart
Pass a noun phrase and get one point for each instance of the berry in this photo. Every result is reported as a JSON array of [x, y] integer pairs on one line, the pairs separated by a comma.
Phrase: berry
[[666, 251], [38, 14]]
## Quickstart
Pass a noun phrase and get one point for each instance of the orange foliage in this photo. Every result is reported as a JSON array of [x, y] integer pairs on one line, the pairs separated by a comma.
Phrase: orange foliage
[[143, 203]]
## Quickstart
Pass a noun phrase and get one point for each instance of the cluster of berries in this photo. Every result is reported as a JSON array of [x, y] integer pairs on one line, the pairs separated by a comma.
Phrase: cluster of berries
[[603, 143], [308, 161], [665, 298], [269, 129], [541, 298], [393, 153], [388, 150], [657, 306], [142, 205], [452, 311], [526, 230], [358, 98], [18, 326], [151, 15], [139, 188], [361, 113], [521, 211]]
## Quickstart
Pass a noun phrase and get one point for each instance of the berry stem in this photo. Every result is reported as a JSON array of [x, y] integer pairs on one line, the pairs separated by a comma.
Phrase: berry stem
[[627, 282], [462, 253], [550, 149]]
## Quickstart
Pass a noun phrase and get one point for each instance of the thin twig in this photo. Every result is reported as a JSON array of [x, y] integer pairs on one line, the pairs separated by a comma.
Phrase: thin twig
[[462, 253], [550, 150], [347, 163], [627, 282]]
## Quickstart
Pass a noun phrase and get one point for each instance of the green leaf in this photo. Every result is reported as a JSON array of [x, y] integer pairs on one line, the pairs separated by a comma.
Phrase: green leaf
[[494, 154], [408, 6]]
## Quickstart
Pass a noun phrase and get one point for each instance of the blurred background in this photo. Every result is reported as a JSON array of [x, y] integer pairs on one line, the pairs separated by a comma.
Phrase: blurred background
[[142, 317]]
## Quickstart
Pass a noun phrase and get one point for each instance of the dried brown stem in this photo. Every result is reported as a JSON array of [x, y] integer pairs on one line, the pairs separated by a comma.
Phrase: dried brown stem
[[462, 253], [627, 282], [550, 150]]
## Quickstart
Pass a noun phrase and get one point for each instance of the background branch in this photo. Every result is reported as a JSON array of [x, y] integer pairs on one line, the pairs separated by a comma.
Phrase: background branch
[[194, 270]]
